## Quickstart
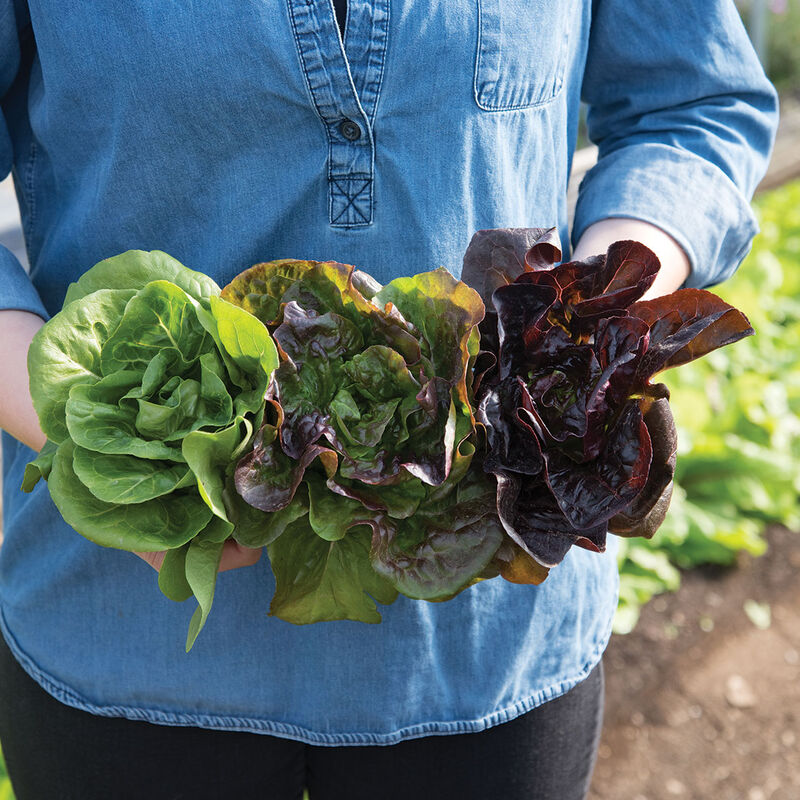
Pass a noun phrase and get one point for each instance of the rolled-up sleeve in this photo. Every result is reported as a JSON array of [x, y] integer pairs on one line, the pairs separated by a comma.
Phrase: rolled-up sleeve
[[16, 289], [684, 119]]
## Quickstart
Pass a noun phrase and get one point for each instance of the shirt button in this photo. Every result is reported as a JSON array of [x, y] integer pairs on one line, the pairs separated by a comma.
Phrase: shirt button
[[350, 130]]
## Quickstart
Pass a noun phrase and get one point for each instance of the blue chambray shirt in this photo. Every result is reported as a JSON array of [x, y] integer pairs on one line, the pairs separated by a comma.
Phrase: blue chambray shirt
[[231, 133]]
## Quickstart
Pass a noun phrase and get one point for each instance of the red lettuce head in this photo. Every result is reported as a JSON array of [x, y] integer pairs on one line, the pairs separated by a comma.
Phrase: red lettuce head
[[580, 440]]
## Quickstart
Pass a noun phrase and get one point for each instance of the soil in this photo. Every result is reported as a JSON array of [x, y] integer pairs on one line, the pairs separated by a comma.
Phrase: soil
[[703, 699]]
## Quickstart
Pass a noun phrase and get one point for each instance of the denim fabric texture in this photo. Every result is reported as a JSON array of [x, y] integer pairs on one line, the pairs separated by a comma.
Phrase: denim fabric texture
[[232, 133]]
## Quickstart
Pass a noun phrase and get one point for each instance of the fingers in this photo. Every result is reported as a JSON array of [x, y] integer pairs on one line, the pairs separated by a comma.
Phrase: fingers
[[155, 560], [234, 555]]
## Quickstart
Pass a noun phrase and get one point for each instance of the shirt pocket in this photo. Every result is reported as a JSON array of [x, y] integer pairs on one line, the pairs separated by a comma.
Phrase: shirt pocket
[[522, 52]]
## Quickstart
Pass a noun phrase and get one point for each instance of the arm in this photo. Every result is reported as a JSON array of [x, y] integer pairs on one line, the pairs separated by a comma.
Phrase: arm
[[16, 409], [675, 266], [684, 120], [21, 310]]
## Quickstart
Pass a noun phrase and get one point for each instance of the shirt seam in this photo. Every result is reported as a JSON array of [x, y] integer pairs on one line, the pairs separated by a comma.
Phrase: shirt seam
[[30, 198], [64, 694], [301, 60], [326, 115], [378, 81]]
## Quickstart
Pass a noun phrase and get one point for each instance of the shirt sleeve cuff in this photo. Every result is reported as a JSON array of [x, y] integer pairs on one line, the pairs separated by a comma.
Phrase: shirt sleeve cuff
[[16, 289], [686, 196]]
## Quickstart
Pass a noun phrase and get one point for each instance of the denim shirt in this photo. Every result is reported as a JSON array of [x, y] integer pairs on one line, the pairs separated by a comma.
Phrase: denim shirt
[[232, 133]]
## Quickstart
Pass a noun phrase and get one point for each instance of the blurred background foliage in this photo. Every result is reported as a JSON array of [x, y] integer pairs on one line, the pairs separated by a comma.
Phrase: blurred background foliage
[[774, 26], [6, 792]]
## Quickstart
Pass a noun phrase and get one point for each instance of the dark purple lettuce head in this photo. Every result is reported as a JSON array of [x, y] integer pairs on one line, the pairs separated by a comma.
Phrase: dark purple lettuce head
[[370, 418], [580, 440]]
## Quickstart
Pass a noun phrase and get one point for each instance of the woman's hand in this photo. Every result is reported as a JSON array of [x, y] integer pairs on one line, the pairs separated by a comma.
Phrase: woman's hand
[[234, 555], [675, 265]]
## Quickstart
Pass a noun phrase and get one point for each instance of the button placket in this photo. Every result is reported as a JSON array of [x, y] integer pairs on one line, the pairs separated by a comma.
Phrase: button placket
[[351, 147]]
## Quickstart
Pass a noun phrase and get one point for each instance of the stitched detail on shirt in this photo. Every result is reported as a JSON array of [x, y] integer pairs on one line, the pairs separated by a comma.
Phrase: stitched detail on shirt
[[375, 61], [351, 201], [30, 196]]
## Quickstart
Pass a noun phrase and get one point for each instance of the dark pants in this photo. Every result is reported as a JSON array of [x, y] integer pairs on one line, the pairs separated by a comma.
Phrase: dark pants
[[55, 752]]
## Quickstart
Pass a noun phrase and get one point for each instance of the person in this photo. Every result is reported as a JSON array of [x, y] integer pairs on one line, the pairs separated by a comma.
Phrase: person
[[232, 133]]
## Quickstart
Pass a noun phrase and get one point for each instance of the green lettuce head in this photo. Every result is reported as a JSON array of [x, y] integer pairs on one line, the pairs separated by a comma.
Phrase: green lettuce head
[[369, 418], [149, 387]]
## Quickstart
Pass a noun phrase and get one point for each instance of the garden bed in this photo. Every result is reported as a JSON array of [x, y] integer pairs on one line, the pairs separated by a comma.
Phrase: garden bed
[[703, 699]]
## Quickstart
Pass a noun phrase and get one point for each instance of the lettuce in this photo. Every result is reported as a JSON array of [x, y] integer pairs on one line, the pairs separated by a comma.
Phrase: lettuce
[[149, 386], [371, 422], [579, 439]]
